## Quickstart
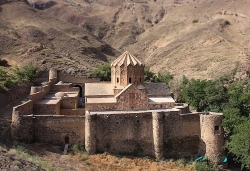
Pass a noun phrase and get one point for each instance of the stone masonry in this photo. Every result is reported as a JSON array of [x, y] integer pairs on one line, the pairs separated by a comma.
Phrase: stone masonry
[[126, 116]]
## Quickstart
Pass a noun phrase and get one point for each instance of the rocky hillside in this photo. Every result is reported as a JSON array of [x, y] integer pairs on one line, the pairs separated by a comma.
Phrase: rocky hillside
[[199, 39], [30, 35]]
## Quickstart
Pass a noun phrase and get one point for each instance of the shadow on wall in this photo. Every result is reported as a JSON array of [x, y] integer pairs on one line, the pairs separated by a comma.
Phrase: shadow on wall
[[80, 90], [202, 148]]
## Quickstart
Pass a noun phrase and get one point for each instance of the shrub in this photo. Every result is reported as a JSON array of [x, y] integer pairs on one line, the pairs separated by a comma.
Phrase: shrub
[[103, 72], [195, 21], [26, 73], [74, 149]]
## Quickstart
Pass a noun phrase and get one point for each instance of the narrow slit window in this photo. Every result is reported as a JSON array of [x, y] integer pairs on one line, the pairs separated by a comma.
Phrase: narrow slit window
[[117, 80], [216, 128], [130, 80]]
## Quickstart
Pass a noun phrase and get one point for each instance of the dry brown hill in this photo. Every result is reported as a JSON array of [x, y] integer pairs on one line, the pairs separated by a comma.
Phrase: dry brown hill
[[199, 39], [31, 35]]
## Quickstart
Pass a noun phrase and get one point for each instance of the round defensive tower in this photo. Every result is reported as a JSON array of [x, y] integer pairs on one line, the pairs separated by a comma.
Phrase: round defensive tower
[[22, 127], [90, 133], [158, 134], [53, 75], [212, 136]]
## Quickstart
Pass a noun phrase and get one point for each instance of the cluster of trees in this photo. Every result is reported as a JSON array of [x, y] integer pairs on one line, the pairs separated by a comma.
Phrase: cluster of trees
[[17, 75], [227, 96]]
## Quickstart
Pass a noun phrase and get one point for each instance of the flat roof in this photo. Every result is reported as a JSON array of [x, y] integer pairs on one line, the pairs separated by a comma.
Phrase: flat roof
[[48, 101], [159, 100], [133, 111], [51, 95]]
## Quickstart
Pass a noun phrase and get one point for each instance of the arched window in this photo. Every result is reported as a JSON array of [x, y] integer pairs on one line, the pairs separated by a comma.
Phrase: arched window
[[117, 80]]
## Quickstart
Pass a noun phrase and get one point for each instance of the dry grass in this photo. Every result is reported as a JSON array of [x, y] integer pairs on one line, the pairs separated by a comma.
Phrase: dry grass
[[103, 162]]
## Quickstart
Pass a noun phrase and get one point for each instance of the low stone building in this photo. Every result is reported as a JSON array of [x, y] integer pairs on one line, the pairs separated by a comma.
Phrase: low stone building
[[124, 116]]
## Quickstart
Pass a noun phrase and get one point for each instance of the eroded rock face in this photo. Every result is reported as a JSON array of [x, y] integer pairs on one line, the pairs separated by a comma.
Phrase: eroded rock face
[[44, 5]]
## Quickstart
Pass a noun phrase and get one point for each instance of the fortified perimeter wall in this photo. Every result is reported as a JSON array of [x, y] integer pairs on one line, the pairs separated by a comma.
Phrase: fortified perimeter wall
[[159, 134], [48, 128]]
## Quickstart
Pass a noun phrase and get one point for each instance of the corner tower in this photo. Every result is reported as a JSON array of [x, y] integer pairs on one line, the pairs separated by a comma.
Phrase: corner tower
[[127, 69]]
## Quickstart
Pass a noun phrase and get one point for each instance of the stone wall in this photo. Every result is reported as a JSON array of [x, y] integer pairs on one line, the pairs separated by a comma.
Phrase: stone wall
[[100, 107], [55, 129], [69, 102], [212, 136], [161, 106], [22, 127], [47, 109], [75, 79], [24, 109], [63, 88], [159, 134], [127, 133], [72, 111], [15, 93], [42, 91], [132, 99], [181, 135], [49, 129], [184, 107]]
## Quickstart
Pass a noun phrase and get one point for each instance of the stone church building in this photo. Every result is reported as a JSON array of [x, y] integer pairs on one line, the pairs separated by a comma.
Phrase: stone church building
[[125, 116], [127, 90]]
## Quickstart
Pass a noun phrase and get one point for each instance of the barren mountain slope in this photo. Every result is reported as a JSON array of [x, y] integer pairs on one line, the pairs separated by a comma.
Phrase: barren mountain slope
[[205, 40], [201, 39], [30, 35]]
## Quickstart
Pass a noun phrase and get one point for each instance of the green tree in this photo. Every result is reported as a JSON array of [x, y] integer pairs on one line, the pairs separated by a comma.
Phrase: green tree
[[194, 94], [103, 72], [216, 96], [239, 144], [148, 75], [163, 78]]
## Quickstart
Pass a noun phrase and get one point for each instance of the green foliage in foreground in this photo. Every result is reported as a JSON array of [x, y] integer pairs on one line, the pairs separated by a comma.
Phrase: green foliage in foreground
[[26, 73]]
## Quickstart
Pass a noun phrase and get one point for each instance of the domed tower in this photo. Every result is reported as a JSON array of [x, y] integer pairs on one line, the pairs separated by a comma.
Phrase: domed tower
[[127, 69]]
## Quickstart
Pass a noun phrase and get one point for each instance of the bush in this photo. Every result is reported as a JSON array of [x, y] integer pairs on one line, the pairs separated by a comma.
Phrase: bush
[[195, 21], [201, 166], [103, 72], [75, 149], [26, 73]]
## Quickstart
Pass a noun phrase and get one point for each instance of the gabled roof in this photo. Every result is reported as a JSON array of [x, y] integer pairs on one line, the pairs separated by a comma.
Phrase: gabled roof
[[157, 89], [126, 58], [123, 90]]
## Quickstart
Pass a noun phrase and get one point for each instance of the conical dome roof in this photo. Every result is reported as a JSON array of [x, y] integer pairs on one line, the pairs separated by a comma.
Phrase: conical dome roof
[[126, 58]]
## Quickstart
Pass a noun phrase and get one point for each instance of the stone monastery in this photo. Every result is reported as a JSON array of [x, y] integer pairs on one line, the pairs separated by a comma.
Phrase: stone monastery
[[125, 116]]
